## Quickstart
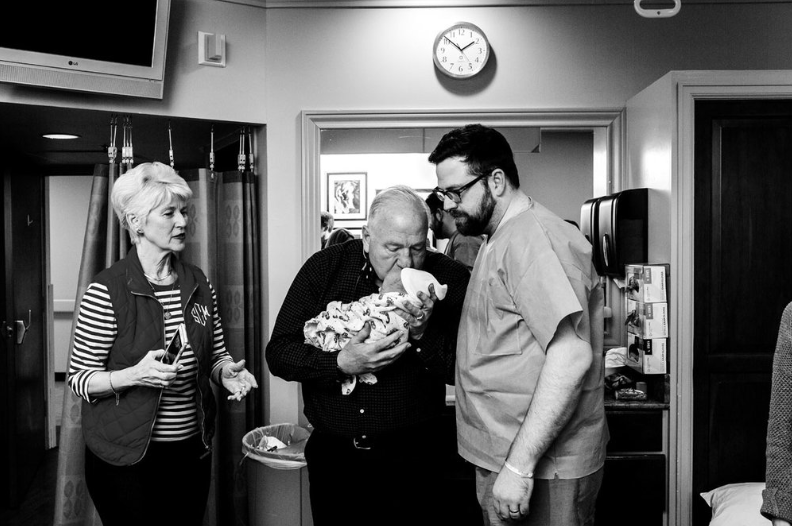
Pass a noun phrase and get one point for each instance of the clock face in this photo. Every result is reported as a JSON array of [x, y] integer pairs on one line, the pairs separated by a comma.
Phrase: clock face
[[461, 51]]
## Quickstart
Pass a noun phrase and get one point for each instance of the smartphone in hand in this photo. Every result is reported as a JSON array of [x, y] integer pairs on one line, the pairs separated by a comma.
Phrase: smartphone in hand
[[176, 346]]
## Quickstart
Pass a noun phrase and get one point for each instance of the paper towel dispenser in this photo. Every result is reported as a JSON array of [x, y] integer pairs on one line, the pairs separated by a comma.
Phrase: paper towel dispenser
[[616, 225], [588, 226]]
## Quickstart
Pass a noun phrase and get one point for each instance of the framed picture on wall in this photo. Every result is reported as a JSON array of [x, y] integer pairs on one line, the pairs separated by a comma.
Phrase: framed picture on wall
[[346, 195]]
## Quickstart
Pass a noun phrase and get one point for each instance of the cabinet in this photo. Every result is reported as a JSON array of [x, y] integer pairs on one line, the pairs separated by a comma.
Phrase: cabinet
[[634, 483]]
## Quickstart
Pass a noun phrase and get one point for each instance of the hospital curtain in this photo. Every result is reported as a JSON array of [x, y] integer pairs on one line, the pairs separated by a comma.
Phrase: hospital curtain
[[222, 241], [104, 243]]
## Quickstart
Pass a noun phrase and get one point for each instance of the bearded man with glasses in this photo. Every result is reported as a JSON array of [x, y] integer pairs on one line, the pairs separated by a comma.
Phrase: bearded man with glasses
[[529, 380]]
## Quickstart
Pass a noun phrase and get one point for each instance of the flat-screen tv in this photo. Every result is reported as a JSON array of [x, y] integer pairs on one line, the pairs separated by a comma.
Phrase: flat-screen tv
[[101, 46]]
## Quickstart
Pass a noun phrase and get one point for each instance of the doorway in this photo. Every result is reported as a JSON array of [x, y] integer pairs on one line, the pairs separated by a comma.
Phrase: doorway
[[662, 124], [331, 133], [363, 147], [743, 245], [34, 162], [326, 133], [23, 334]]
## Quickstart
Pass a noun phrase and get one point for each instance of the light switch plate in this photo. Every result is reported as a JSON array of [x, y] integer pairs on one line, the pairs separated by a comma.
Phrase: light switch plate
[[211, 49]]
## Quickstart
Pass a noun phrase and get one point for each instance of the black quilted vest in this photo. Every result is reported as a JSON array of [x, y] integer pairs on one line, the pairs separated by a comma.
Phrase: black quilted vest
[[119, 434]]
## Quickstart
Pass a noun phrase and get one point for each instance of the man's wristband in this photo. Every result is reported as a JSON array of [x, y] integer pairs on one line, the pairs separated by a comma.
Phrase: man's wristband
[[517, 472]]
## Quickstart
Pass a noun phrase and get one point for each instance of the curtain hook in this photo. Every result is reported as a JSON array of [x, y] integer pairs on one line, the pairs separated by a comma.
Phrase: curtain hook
[[211, 154], [250, 149], [127, 155], [241, 157], [112, 151], [170, 146]]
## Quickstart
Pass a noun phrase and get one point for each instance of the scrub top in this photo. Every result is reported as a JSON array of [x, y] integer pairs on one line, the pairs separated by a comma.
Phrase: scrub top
[[534, 271]]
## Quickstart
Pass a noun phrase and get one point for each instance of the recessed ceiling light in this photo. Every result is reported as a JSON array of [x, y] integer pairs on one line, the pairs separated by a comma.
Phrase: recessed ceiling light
[[60, 136]]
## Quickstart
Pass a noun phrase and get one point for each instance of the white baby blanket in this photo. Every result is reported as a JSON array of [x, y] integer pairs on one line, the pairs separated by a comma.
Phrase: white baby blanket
[[332, 329]]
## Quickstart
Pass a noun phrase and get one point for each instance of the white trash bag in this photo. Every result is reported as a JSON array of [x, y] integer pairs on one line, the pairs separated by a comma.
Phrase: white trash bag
[[279, 446]]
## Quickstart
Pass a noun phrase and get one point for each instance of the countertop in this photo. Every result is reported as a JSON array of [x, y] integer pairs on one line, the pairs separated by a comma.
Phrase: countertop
[[611, 404]]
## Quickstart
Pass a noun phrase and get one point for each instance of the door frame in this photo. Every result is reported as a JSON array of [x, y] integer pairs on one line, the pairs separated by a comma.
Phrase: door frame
[[692, 86], [608, 140], [606, 125], [24, 449], [49, 320]]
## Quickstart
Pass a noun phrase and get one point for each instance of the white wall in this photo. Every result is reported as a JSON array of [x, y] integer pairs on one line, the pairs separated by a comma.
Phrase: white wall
[[233, 93], [68, 198], [560, 176], [651, 123]]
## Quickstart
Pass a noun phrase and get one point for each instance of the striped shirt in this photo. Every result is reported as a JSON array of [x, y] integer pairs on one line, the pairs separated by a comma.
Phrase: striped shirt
[[95, 333]]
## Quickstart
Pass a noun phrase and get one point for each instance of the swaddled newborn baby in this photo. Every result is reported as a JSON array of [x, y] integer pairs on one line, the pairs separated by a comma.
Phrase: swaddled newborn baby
[[332, 329]]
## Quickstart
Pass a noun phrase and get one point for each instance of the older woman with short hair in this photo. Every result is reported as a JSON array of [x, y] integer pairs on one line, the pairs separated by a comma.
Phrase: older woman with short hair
[[148, 425]]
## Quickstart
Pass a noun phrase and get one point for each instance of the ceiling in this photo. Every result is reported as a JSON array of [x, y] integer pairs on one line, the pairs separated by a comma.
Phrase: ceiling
[[22, 127], [472, 3]]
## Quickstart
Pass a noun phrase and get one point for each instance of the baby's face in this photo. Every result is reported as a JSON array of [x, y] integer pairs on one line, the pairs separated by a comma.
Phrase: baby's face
[[393, 282]]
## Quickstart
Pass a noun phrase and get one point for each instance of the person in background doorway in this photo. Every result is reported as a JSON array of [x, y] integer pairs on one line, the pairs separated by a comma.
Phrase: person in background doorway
[[372, 456], [339, 235], [148, 425], [459, 247], [327, 227], [331, 236], [530, 371]]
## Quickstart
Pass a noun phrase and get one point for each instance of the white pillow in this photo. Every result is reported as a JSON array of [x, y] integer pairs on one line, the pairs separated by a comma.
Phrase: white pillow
[[737, 505]]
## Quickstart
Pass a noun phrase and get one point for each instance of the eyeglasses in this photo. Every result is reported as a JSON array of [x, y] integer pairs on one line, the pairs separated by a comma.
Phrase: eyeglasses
[[456, 194]]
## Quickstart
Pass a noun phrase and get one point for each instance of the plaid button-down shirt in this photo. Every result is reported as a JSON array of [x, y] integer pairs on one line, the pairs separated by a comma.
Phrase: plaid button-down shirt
[[409, 391]]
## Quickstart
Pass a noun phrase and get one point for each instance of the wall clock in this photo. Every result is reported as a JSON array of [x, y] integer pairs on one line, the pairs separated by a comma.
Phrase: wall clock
[[461, 51]]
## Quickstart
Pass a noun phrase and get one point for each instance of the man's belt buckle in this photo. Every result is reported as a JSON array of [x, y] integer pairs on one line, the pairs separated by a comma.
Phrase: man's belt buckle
[[361, 442]]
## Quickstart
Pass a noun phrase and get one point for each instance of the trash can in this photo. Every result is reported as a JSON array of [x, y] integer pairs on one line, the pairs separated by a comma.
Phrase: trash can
[[277, 478]]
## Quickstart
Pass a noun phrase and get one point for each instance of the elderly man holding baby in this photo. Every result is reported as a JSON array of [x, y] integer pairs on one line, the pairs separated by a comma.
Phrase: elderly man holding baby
[[370, 457]]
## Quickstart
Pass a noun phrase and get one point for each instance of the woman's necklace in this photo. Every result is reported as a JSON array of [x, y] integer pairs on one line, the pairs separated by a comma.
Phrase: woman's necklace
[[163, 278], [166, 313]]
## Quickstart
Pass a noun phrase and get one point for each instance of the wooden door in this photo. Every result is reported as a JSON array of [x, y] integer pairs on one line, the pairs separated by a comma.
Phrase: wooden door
[[24, 412], [743, 253]]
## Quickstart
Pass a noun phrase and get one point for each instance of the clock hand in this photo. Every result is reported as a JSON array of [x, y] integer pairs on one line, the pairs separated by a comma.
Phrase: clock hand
[[461, 49], [454, 43]]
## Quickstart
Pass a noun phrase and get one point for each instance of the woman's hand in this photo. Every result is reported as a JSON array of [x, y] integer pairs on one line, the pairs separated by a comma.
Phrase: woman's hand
[[237, 380], [151, 372]]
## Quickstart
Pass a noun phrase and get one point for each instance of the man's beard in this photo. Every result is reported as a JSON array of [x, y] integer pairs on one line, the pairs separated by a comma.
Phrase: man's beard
[[476, 224]]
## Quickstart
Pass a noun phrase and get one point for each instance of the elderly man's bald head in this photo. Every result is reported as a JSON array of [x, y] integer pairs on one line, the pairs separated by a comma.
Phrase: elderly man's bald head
[[395, 236], [399, 203]]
